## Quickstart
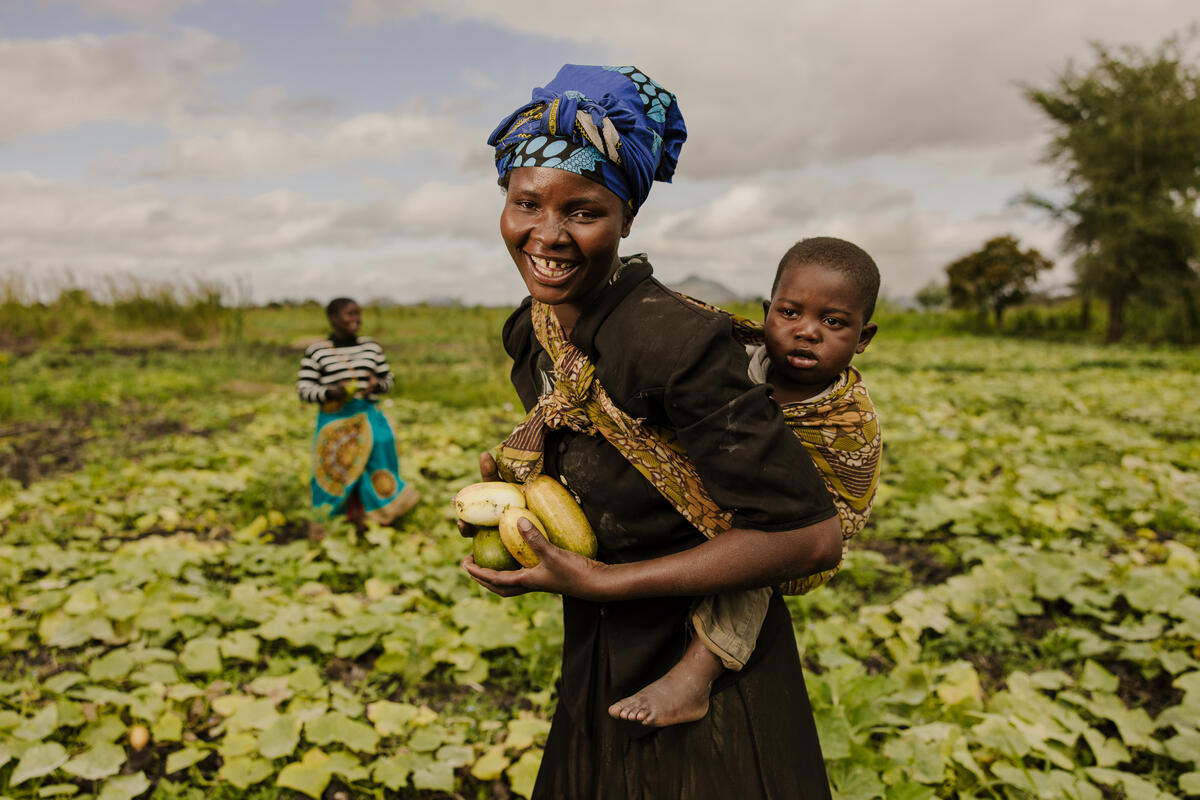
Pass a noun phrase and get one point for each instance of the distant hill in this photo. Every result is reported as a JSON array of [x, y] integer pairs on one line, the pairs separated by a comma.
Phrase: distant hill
[[433, 300], [706, 290]]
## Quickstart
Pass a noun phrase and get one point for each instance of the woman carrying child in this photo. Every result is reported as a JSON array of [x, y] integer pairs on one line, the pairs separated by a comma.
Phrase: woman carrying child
[[356, 470], [620, 378]]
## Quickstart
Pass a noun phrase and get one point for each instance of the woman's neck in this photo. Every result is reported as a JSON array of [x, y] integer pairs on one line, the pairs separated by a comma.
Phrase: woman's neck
[[567, 315]]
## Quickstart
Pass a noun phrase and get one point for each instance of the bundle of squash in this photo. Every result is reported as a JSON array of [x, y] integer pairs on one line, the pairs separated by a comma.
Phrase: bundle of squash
[[495, 508]]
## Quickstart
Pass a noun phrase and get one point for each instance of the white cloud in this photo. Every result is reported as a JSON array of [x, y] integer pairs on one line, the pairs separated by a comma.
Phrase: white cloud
[[134, 10], [455, 210], [134, 78], [768, 85], [898, 126], [270, 145], [373, 12], [441, 239], [158, 80], [50, 228], [480, 81], [66, 225], [739, 236]]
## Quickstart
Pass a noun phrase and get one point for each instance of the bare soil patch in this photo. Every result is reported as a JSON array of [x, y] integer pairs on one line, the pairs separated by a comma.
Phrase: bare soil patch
[[926, 569], [33, 451], [30, 451], [1152, 694]]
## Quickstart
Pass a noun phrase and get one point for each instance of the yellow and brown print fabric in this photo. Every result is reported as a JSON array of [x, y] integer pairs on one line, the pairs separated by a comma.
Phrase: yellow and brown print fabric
[[839, 429], [579, 402]]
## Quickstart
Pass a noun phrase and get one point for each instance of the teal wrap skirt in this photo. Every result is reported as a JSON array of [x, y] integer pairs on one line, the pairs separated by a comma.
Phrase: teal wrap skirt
[[354, 451]]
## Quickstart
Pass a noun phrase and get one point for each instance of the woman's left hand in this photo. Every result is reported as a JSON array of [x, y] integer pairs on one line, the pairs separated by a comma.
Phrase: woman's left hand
[[560, 571]]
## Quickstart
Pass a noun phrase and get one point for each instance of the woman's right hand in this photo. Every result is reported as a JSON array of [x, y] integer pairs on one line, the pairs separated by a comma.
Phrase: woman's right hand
[[487, 472], [559, 571]]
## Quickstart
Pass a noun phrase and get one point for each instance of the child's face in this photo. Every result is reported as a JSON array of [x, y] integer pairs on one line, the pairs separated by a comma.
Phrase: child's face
[[814, 326]]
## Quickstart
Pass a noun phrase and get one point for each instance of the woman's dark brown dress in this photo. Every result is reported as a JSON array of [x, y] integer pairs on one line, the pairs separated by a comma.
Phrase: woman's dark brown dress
[[677, 366]]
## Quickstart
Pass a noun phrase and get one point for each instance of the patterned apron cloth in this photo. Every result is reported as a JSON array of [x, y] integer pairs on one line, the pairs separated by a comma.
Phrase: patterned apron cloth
[[354, 451]]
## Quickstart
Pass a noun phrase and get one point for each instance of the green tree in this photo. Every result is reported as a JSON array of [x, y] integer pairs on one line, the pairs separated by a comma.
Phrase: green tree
[[932, 296], [1127, 136], [995, 277]]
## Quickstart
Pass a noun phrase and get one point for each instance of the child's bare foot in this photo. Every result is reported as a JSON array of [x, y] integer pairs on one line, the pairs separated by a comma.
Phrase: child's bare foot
[[679, 696]]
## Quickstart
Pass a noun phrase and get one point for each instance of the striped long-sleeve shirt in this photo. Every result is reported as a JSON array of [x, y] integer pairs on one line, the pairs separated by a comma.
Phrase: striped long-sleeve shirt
[[326, 364]]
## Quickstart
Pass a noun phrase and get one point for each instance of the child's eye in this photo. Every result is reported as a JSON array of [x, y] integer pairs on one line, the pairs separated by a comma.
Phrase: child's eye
[[788, 313], [834, 322]]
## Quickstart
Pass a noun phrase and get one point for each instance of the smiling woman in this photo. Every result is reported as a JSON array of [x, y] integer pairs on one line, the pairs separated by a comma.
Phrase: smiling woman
[[640, 403]]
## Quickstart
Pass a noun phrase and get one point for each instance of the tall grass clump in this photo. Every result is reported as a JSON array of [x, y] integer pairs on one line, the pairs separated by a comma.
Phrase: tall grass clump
[[195, 310], [63, 310], [23, 315]]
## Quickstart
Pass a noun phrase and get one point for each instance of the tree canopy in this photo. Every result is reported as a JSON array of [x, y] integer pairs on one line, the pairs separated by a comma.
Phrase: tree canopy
[[996, 276], [1127, 135], [932, 295]]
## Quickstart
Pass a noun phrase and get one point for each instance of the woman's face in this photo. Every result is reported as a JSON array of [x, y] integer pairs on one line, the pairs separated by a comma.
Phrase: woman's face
[[562, 231], [346, 321]]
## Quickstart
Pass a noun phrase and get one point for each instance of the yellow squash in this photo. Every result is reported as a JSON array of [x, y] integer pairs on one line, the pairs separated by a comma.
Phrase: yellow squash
[[489, 550], [482, 503], [514, 542], [564, 521]]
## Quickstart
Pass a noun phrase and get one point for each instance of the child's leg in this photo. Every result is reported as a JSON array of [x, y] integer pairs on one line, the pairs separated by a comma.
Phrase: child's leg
[[726, 628], [679, 696], [728, 624]]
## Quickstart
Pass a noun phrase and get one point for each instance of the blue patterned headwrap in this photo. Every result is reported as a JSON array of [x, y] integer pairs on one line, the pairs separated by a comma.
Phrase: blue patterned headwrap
[[612, 125]]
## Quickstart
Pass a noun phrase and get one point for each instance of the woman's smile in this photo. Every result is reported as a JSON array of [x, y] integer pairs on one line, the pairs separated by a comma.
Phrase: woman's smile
[[550, 271]]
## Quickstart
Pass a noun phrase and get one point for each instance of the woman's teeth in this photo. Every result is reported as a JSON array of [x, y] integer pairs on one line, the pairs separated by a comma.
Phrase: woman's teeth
[[551, 269]]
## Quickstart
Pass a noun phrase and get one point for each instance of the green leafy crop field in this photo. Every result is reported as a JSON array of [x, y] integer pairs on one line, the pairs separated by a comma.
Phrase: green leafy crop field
[[1020, 620]]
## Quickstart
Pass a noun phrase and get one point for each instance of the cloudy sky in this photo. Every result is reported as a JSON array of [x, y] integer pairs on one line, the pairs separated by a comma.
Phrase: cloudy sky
[[307, 148]]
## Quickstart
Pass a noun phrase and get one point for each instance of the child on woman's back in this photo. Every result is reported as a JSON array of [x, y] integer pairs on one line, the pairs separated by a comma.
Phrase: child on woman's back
[[817, 319]]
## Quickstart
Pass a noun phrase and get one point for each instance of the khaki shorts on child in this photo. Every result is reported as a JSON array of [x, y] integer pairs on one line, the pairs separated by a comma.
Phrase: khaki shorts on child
[[728, 624]]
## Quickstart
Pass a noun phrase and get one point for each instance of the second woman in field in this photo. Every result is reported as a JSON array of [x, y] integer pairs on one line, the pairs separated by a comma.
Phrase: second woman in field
[[356, 470]]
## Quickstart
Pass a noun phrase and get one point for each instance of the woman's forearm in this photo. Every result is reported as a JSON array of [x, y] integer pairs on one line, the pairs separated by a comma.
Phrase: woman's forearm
[[737, 559], [310, 391]]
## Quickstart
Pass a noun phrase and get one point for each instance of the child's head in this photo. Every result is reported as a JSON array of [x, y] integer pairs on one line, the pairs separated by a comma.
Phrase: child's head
[[819, 314]]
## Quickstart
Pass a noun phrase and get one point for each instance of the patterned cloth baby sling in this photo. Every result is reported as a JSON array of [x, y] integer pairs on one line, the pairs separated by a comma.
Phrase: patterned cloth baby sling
[[840, 432]]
